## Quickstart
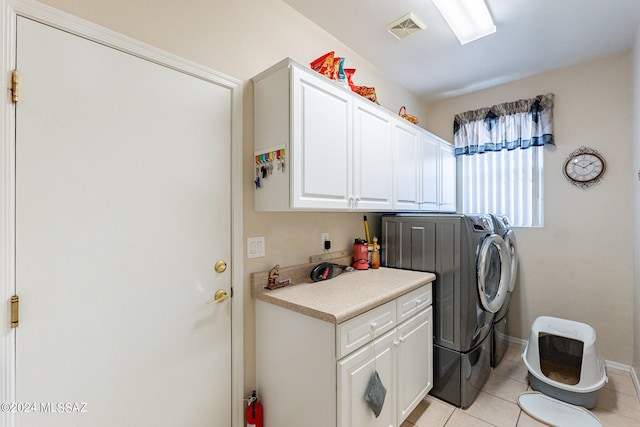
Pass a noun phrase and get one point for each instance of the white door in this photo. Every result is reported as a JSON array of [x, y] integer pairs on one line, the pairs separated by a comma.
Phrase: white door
[[122, 210]]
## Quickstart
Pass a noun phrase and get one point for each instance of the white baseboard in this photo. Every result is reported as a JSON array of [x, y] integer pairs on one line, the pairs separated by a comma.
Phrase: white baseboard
[[636, 382], [517, 340], [619, 366]]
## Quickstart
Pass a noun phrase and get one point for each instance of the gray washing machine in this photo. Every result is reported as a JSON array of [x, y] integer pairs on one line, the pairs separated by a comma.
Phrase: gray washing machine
[[499, 331], [471, 268]]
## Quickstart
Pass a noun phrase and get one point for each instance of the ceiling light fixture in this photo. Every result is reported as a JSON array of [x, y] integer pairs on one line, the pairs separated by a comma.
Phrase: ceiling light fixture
[[469, 19]]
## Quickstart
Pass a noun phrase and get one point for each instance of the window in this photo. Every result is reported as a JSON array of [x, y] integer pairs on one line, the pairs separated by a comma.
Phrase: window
[[500, 159], [504, 182]]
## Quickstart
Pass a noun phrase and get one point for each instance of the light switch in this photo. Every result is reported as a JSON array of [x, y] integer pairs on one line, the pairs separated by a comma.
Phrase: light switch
[[255, 247]]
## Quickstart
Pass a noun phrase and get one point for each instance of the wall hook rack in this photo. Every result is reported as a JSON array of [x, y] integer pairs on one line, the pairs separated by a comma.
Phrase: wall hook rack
[[266, 161]]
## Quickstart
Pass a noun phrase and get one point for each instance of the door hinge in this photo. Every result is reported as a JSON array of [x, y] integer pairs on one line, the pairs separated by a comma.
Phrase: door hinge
[[15, 83], [15, 302]]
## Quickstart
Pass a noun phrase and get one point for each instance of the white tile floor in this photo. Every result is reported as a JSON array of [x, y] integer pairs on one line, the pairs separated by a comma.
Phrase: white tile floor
[[496, 405]]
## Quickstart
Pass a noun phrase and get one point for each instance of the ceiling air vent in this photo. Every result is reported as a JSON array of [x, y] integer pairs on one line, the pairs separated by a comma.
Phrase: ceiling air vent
[[403, 27]]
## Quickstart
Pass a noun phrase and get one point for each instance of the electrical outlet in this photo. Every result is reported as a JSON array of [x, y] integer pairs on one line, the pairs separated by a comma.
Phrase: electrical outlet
[[255, 247], [324, 237]]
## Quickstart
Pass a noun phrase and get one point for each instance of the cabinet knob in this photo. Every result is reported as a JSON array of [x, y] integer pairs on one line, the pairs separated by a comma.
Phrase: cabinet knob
[[418, 301], [374, 325]]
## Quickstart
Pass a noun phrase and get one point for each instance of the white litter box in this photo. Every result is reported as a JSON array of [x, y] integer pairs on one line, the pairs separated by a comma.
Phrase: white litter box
[[563, 361]]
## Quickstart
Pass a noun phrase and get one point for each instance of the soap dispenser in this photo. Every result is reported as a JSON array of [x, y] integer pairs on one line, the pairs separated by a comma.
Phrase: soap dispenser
[[375, 255]]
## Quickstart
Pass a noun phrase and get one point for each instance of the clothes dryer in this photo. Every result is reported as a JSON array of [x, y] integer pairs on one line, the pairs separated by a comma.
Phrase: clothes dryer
[[499, 332], [472, 272]]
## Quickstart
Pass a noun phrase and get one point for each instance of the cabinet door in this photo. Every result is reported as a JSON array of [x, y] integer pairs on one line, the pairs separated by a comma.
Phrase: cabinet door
[[415, 361], [321, 143], [354, 374], [373, 154], [430, 173], [448, 178], [406, 141]]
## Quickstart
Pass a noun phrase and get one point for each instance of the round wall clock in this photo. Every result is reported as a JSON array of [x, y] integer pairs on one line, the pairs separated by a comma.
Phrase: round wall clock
[[584, 167]]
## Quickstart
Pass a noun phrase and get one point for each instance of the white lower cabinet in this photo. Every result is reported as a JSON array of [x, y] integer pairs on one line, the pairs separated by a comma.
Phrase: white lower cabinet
[[312, 372], [400, 358], [415, 378], [354, 374]]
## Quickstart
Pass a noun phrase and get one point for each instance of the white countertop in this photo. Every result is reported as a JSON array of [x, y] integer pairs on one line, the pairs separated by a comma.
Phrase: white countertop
[[347, 295]]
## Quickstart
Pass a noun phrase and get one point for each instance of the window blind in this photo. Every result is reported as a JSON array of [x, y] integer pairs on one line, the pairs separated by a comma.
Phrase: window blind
[[504, 182]]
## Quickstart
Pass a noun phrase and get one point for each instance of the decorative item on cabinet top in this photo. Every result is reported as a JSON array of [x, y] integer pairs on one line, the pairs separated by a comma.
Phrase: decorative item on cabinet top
[[265, 160], [403, 113], [332, 67]]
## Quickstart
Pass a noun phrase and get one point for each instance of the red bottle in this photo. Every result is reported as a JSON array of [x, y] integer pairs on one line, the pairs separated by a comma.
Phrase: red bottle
[[254, 412]]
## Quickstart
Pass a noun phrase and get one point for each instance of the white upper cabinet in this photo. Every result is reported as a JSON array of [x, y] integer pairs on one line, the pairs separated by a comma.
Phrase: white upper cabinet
[[321, 144], [429, 182], [447, 177], [341, 152], [373, 168], [406, 141], [438, 175], [425, 168]]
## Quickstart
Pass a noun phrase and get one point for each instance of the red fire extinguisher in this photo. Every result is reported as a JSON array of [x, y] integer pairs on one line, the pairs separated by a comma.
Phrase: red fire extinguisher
[[254, 412]]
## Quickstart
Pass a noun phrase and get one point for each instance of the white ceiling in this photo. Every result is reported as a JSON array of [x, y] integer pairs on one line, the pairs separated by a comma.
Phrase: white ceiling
[[532, 36]]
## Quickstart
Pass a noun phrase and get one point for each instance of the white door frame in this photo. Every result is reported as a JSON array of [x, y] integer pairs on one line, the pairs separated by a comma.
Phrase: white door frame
[[61, 20]]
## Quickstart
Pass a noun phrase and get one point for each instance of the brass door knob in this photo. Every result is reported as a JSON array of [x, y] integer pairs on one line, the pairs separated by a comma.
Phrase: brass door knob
[[221, 295], [220, 266]]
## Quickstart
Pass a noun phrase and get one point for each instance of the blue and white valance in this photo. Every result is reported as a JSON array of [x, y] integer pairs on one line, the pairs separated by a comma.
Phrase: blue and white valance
[[519, 124]]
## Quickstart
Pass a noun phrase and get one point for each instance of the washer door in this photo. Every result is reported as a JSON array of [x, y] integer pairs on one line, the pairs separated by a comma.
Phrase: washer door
[[512, 247], [494, 268]]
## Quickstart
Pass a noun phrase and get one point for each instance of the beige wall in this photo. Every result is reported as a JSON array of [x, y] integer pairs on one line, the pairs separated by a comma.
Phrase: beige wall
[[579, 265], [242, 38]]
